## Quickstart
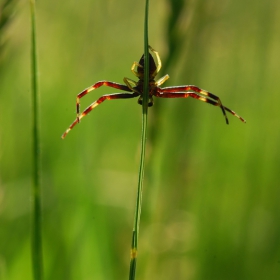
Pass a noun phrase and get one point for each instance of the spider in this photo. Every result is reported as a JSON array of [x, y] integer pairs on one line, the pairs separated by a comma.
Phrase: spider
[[135, 89]]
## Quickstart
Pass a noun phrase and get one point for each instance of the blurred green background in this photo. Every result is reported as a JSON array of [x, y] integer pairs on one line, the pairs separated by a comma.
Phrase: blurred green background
[[211, 194]]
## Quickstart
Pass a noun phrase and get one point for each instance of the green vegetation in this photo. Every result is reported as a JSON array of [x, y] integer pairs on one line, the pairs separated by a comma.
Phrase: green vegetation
[[37, 254], [138, 204], [211, 192]]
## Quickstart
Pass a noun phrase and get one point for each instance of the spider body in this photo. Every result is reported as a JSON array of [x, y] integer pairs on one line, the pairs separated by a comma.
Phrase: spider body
[[135, 89], [140, 84]]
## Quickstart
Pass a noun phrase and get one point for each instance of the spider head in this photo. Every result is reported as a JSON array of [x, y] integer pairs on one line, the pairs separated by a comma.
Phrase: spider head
[[152, 67]]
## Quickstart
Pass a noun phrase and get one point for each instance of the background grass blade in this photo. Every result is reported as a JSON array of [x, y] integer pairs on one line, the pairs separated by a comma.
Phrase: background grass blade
[[7, 9], [37, 257]]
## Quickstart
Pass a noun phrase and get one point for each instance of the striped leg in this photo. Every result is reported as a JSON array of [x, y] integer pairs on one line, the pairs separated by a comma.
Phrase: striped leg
[[198, 97], [95, 86], [96, 103], [233, 113], [198, 90]]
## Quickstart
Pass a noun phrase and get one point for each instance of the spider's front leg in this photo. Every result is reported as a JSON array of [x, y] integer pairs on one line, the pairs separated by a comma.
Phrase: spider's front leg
[[95, 86], [200, 91], [96, 103], [170, 93]]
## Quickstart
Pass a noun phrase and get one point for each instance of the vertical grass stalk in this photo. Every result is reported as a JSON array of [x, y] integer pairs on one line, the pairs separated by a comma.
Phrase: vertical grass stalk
[[37, 258], [135, 232]]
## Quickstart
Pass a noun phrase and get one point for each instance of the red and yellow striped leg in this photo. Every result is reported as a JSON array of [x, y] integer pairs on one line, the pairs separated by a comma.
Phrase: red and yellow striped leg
[[69, 128], [198, 90], [233, 113], [96, 103], [95, 86], [198, 97]]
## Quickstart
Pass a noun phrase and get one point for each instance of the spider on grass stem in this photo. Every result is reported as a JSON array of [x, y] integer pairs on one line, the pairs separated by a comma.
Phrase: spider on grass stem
[[135, 89]]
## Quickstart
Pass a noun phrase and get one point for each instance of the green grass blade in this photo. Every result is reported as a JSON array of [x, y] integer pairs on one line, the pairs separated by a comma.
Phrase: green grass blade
[[135, 233], [37, 259]]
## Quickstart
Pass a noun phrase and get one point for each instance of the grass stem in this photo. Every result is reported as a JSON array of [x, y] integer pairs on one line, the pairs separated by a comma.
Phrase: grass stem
[[135, 233], [37, 258]]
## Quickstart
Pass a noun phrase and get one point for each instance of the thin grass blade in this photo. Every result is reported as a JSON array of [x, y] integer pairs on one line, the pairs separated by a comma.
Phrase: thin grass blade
[[37, 258], [135, 233]]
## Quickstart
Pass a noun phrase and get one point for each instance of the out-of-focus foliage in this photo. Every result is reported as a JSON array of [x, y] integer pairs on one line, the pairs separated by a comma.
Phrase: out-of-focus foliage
[[211, 198]]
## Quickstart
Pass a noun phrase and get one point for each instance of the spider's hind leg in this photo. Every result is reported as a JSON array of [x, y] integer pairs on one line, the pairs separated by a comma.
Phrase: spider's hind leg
[[158, 60], [134, 65], [162, 80], [130, 83]]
